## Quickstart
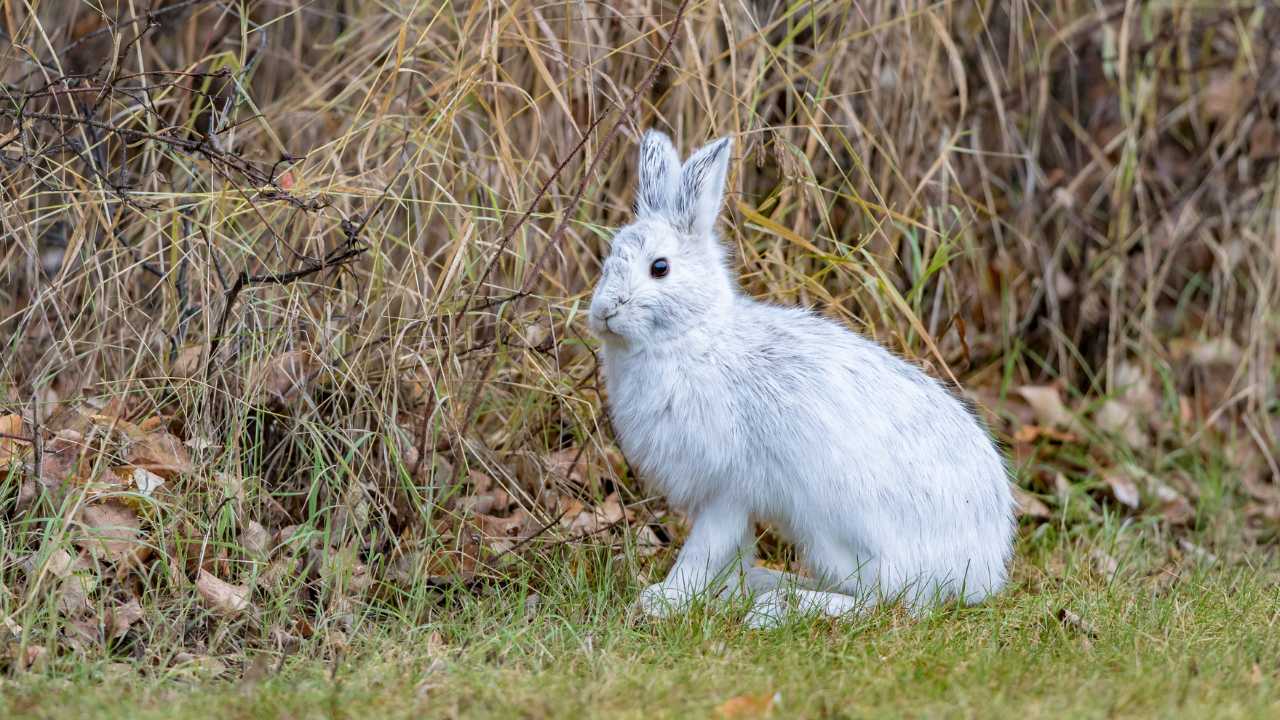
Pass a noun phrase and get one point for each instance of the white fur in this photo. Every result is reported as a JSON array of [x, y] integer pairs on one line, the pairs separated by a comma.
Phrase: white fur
[[740, 411]]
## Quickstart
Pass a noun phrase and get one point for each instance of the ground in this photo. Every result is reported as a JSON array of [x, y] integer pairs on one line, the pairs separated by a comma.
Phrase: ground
[[1118, 622]]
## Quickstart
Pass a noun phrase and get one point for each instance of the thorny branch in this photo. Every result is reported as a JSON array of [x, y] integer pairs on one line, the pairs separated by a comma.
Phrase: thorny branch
[[55, 125], [627, 111]]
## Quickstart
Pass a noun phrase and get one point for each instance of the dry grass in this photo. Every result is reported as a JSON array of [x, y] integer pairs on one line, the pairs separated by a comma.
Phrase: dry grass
[[331, 257]]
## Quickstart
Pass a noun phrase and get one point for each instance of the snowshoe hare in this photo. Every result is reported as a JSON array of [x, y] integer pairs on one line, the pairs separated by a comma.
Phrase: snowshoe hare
[[741, 411]]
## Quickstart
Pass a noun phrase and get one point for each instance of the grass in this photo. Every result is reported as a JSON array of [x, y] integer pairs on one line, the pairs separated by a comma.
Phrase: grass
[[1153, 636], [323, 273]]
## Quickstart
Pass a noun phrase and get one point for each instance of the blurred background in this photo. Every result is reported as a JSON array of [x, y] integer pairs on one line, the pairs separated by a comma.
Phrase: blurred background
[[292, 292]]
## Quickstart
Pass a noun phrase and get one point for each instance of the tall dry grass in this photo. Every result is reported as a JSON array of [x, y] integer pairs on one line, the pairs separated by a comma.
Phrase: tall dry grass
[[341, 252]]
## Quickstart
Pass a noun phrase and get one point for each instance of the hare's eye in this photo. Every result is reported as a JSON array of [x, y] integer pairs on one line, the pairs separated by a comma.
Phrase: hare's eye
[[659, 268]]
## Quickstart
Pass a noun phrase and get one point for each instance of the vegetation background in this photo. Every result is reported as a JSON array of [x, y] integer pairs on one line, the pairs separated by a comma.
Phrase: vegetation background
[[292, 347]]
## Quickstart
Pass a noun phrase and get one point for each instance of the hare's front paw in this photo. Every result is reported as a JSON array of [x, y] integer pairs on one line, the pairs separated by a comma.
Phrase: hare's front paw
[[661, 601]]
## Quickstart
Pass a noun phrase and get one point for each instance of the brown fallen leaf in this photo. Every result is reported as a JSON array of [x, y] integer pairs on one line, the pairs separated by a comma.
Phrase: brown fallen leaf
[[1197, 552], [1123, 488], [1029, 505], [64, 461], [32, 657], [110, 529], [1104, 563], [1046, 402], [1174, 506], [1032, 433], [82, 634], [748, 706], [220, 596], [162, 454], [11, 447], [121, 618], [189, 363], [74, 591], [256, 539], [569, 465], [647, 542], [198, 665], [1120, 419], [1226, 93], [283, 377], [257, 670], [483, 503], [1264, 141]]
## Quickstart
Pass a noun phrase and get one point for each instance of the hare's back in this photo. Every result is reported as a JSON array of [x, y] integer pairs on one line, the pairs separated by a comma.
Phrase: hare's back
[[802, 374]]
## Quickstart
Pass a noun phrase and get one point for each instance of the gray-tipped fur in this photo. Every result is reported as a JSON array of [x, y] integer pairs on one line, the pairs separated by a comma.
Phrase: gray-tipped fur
[[740, 411], [659, 166]]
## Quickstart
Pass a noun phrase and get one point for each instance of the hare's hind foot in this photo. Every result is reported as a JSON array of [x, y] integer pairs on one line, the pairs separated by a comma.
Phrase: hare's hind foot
[[774, 607]]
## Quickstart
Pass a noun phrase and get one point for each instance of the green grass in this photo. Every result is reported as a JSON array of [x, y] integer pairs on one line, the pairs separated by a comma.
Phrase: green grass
[[1164, 635]]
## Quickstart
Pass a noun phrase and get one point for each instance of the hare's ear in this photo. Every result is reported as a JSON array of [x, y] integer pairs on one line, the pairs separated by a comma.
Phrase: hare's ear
[[702, 186], [659, 176]]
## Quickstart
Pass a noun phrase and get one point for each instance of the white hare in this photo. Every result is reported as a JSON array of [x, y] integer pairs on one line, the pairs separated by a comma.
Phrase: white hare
[[740, 411]]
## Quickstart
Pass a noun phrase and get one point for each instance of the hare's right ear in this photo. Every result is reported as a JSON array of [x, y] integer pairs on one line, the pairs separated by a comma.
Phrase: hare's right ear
[[659, 175]]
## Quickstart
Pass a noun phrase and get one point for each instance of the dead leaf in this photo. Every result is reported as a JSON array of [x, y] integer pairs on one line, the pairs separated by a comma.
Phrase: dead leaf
[[1225, 94], [1174, 506], [1046, 403], [198, 665], [1197, 552], [1031, 433], [1119, 419], [11, 447], [1220, 350], [145, 481], [257, 669], [162, 454], [568, 464], [748, 706], [647, 542], [1103, 563], [74, 591], [111, 529], [61, 462], [1134, 389], [31, 657], [1264, 142], [121, 618], [1029, 505], [484, 503], [82, 633], [1123, 488], [220, 596], [189, 363], [283, 377], [256, 539], [612, 510]]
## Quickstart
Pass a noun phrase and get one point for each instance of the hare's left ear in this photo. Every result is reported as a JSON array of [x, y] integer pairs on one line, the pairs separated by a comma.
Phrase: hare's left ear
[[659, 173], [702, 186]]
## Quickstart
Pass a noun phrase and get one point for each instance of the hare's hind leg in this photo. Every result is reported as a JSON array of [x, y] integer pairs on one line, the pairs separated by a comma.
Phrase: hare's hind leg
[[841, 585], [772, 608], [763, 579]]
